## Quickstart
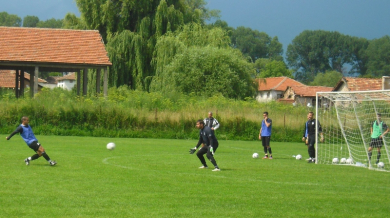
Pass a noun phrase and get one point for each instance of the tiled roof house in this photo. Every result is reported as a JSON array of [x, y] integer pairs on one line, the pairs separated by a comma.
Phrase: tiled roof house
[[272, 88], [304, 95]]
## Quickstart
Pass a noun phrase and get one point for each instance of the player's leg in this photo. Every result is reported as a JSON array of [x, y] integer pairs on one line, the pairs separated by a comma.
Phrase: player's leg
[[210, 156], [200, 154], [269, 147], [311, 149], [370, 150], [264, 143], [41, 151], [34, 146], [378, 156]]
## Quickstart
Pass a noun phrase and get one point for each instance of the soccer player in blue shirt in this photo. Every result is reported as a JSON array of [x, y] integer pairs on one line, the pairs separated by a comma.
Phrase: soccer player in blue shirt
[[309, 135], [28, 136], [265, 135]]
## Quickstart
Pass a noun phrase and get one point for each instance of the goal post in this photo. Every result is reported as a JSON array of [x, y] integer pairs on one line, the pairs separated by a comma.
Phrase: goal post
[[346, 119]]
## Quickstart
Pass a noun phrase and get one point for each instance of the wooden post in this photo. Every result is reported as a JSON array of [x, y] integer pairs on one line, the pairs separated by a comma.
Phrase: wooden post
[[17, 83], [78, 82], [85, 81], [22, 83], [105, 82], [36, 73], [98, 80]]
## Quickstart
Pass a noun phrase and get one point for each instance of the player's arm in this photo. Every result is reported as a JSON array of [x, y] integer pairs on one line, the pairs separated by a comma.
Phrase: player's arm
[[267, 123], [387, 130], [320, 131], [216, 124], [260, 133], [18, 130], [304, 133], [192, 150]]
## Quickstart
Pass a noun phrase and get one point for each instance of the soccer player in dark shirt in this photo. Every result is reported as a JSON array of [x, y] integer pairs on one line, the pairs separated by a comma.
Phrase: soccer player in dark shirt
[[28, 136], [210, 145], [309, 135], [378, 130]]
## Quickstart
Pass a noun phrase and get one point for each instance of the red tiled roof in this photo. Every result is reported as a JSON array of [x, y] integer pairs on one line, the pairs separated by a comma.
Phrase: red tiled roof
[[360, 84], [310, 91], [52, 46], [7, 78], [277, 83], [71, 76]]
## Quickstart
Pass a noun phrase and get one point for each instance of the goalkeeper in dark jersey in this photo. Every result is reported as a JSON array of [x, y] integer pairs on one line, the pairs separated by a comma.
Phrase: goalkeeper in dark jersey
[[28, 136], [309, 135], [209, 145]]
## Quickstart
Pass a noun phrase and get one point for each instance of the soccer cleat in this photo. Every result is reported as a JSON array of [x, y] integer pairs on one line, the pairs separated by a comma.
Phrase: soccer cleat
[[270, 157], [309, 159], [216, 169], [377, 161], [27, 161], [265, 157], [52, 163], [203, 167]]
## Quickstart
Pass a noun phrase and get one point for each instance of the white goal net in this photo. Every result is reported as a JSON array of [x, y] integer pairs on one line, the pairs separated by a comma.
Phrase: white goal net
[[346, 119]]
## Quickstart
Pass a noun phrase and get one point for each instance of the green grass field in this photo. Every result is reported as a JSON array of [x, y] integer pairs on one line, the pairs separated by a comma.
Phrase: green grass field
[[158, 178]]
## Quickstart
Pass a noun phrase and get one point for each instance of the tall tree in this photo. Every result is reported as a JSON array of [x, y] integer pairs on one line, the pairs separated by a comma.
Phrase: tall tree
[[10, 19], [378, 52], [71, 21], [317, 51], [255, 44], [30, 21], [359, 59]]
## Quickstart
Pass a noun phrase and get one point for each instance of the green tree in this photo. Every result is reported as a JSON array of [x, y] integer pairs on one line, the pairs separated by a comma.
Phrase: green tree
[[272, 68], [378, 53], [50, 23], [71, 21], [200, 61], [255, 44], [30, 21], [358, 47], [317, 51], [10, 19], [329, 79]]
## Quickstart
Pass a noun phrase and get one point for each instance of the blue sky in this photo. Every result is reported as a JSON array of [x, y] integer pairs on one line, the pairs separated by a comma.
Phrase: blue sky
[[283, 18]]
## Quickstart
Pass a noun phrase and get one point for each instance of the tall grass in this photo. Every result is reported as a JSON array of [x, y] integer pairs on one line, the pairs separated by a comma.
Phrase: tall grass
[[128, 113]]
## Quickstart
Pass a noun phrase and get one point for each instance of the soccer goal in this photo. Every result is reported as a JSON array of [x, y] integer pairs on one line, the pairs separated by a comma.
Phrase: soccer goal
[[346, 119]]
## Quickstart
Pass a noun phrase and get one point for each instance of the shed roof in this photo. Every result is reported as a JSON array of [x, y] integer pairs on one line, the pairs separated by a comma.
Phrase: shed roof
[[359, 84], [309, 91], [277, 83], [57, 46], [70, 76]]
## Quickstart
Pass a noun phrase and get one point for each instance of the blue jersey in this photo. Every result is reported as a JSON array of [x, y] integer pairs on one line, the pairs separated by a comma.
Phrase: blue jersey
[[266, 131], [27, 134]]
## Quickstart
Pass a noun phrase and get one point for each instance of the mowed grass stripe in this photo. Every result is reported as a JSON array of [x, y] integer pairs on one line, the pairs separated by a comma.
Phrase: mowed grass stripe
[[158, 178]]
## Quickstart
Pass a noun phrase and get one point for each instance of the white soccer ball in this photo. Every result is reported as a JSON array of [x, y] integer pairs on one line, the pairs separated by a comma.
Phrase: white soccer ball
[[255, 155], [298, 157], [111, 146], [335, 160], [343, 160], [381, 165], [349, 161]]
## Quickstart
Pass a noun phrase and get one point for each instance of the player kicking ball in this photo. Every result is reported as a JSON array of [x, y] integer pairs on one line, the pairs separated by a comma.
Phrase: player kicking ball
[[28, 136]]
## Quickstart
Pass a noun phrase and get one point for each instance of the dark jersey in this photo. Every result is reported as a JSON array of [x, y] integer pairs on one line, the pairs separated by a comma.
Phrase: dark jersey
[[206, 136], [310, 128]]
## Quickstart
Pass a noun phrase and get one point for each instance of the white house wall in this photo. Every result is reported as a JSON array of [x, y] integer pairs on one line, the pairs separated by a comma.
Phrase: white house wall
[[265, 96], [66, 84]]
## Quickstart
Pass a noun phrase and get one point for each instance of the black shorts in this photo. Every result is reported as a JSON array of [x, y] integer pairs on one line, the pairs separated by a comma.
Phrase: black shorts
[[35, 145], [265, 140], [376, 143]]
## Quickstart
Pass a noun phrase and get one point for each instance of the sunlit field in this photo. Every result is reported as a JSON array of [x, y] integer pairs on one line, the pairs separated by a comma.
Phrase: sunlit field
[[159, 178]]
